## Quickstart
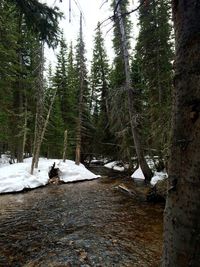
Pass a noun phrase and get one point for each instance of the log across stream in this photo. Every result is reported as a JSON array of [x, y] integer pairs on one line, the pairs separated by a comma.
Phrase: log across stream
[[91, 223]]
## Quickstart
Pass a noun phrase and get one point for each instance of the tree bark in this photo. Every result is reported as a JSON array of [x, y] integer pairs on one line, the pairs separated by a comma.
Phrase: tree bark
[[132, 100], [182, 212]]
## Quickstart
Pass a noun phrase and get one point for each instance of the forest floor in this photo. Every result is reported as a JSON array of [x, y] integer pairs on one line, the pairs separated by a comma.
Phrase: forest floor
[[81, 224]]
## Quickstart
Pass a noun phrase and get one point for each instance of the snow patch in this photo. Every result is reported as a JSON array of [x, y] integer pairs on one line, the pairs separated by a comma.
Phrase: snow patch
[[114, 165], [138, 174], [158, 176], [16, 177]]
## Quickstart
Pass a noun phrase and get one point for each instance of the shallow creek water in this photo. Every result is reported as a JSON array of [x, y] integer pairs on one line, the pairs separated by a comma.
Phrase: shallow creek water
[[82, 224]]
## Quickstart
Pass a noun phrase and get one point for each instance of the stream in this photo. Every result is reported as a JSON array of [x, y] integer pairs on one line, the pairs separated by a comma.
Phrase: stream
[[83, 224]]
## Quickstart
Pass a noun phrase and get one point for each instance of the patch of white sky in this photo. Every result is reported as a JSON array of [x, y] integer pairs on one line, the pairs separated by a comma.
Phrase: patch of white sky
[[93, 11]]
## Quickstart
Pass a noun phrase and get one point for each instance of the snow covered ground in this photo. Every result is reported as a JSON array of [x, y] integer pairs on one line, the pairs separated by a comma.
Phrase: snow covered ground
[[16, 177]]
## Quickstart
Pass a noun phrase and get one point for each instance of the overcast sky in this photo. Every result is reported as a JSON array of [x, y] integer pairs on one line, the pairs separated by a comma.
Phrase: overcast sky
[[93, 11]]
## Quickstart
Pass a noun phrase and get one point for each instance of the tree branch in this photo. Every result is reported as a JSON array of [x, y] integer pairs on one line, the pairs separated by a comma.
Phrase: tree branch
[[113, 17], [129, 12]]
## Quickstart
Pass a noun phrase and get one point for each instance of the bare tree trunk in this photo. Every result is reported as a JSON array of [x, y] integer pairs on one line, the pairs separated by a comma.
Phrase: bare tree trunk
[[80, 107], [20, 85], [25, 126], [39, 104], [44, 130], [34, 144], [182, 212], [65, 146], [132, 100], [38, 139], [79, 126]]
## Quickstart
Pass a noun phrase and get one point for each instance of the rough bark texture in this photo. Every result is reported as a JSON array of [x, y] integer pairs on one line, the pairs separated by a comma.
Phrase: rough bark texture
[[182, 212]]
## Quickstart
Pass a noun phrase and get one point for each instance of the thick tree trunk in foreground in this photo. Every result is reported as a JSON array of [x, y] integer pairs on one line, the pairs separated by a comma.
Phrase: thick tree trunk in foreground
[[182, 212], [133, 114]]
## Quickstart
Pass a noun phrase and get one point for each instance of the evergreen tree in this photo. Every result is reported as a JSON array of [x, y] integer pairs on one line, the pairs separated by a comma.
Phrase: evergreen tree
[[18, 74], [40, 19], [99, 82], [55, 131], [71, 102], [120, 119], [154, 56], [8, 58], [83, 120], [52, 146], [60, 79]]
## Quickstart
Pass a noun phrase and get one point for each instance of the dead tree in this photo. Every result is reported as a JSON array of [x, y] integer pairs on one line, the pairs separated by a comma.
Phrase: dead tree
[[40, 124], [133, 114]]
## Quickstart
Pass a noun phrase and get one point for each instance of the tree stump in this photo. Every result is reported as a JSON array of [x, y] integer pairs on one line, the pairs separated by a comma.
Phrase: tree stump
[[54, 175]]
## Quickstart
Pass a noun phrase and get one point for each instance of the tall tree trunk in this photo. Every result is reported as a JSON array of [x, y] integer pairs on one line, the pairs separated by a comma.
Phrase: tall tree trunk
[[38, 139], [132, 100], [79, 125], [80, 104], [34, 144], [25, 126], [19, 91], [39, 105], [182, 212]]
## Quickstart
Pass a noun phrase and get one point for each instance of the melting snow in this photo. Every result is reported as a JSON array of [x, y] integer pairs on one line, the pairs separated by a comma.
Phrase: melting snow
[[16, 177]]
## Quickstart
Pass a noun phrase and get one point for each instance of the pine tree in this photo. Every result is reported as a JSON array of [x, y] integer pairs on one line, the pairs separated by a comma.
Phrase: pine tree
[[17, 76], [99, 82], [53, 146], [40, 19], [118, 109], [83, 123], [130, 91], [60, 79], [55, 131], [8, 58], [22, 23], [71, 102], [154, 56]]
